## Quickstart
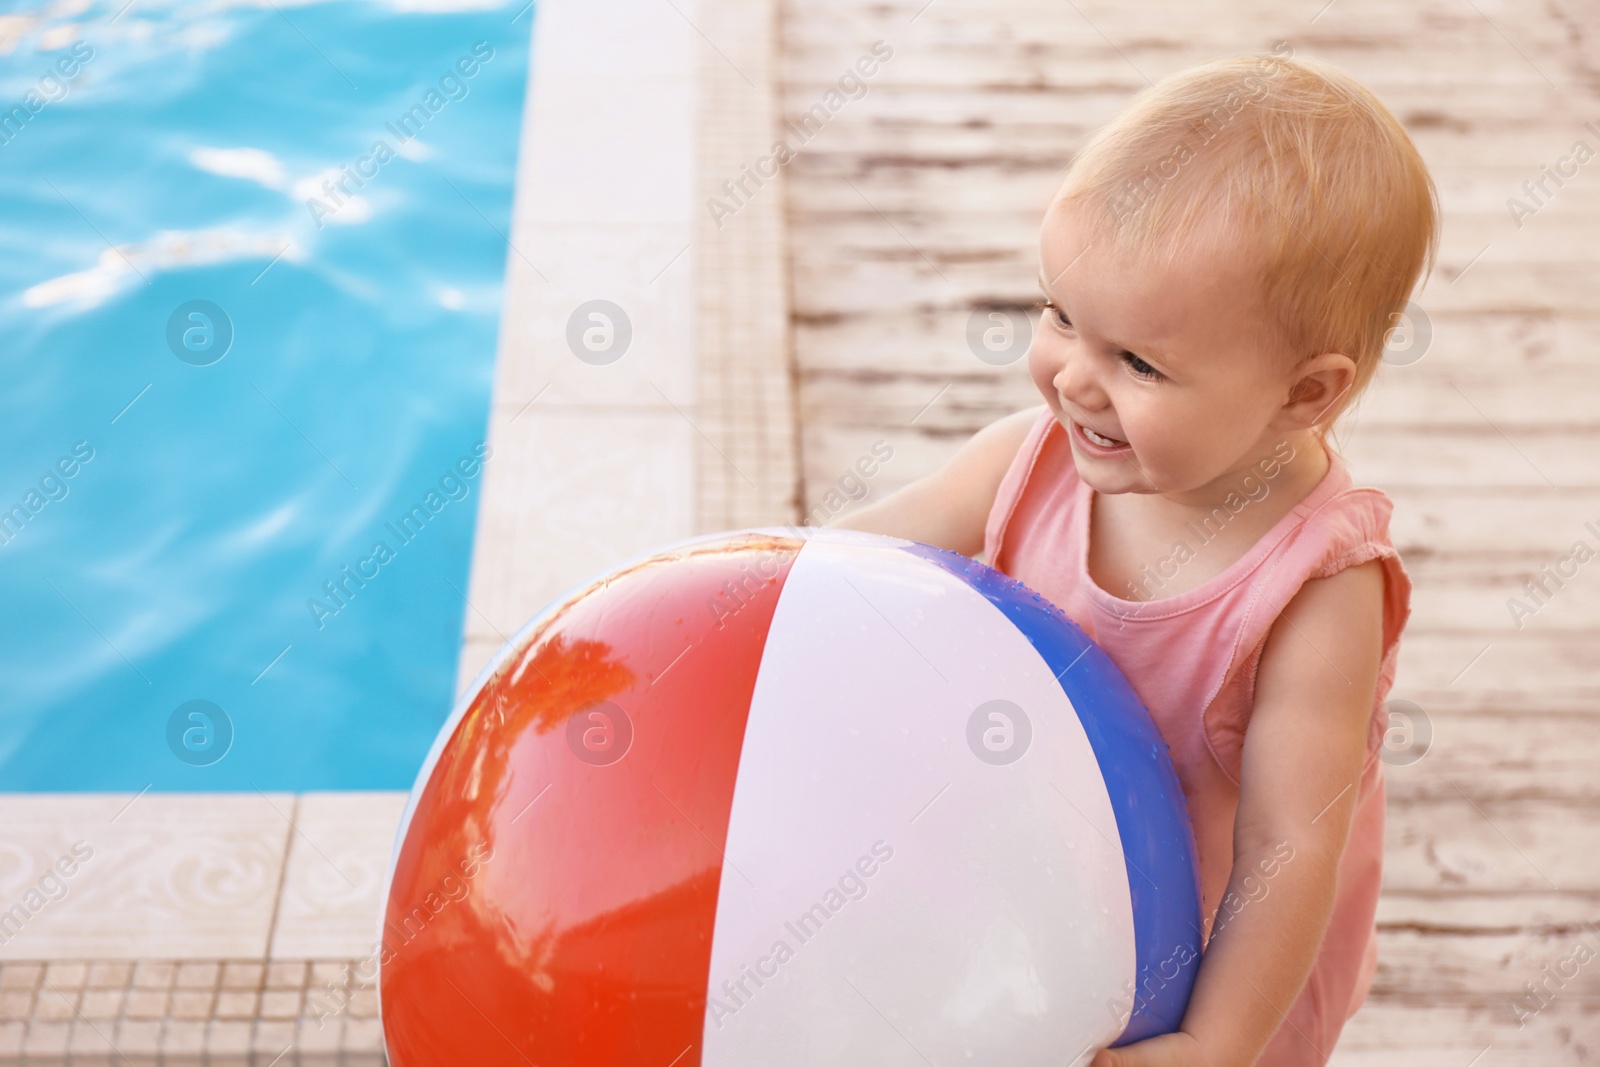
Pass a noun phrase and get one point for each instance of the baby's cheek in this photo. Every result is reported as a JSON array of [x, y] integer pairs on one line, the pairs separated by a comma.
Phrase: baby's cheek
[[1188, 430], [1041, 367], [1172, 450]]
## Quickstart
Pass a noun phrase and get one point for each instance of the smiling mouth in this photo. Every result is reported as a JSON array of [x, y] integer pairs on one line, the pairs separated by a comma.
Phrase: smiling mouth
[[1100, 440]]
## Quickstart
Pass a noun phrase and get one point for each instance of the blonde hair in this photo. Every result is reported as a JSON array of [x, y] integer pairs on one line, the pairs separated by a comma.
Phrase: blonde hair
[[1294, 162]]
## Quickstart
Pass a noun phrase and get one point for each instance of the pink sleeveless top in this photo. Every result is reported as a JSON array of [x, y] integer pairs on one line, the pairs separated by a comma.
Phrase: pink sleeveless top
[[1192, 659]]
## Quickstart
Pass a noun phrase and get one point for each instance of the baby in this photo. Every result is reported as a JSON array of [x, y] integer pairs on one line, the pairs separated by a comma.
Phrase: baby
[[1220, 268]]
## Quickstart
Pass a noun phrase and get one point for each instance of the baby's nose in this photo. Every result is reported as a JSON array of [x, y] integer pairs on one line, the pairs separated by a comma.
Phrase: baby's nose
[[1076, 383]]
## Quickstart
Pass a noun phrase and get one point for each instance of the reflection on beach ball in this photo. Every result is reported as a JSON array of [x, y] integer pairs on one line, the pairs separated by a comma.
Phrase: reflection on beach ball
[[789, 797]]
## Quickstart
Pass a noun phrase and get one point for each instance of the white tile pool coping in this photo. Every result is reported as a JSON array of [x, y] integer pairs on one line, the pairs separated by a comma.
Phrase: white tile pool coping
[[223, 928], [635, 121], [191, 924]]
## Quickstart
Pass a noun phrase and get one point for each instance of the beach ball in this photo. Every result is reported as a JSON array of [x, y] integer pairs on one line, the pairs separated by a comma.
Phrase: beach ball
[[791, 797]]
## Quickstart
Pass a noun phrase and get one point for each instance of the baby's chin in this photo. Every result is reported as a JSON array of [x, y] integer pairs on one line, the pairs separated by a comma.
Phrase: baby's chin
[[1123, 487], [1112, 477]]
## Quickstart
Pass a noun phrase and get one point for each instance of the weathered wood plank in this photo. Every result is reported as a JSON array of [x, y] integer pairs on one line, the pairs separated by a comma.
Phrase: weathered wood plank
[[1433, 1031], [1470, 912], [1515, 751], [1487, 843], [1487, 966]]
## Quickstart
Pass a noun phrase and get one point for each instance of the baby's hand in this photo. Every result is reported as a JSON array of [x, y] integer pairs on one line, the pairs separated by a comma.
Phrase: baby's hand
[[1168, 1050]]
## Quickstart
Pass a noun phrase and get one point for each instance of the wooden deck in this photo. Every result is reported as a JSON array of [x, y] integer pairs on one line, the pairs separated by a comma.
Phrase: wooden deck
[[921, 201]]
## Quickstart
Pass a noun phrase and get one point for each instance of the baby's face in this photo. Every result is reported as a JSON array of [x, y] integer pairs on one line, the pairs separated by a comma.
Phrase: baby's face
[[1166, 382]]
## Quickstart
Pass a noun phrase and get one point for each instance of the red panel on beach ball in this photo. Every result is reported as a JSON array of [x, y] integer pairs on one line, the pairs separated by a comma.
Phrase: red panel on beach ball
[[559, 875]]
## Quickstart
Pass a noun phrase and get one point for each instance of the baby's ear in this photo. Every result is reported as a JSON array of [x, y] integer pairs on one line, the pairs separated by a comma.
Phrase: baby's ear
[[1318, 388]]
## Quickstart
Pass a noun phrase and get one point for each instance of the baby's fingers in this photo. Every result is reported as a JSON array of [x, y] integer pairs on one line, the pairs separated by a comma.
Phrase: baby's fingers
[[1168, 1050]]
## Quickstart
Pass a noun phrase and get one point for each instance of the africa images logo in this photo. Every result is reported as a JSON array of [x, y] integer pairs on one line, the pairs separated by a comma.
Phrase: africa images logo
[[452, 86], [454, 485]]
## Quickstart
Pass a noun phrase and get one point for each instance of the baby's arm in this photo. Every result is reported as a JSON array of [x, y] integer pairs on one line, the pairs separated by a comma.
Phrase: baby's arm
[[1303, 755], [949, 507]]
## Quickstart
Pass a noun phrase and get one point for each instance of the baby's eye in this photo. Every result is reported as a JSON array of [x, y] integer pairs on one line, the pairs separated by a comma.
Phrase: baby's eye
[[1060, 316], [1140, 368]]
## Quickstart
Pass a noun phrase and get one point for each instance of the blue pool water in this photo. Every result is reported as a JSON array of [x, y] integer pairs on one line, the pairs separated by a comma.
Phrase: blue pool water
[[195, 179]]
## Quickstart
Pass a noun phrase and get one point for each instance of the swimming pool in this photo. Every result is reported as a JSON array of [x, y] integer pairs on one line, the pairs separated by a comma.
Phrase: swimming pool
[[250, 286]]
